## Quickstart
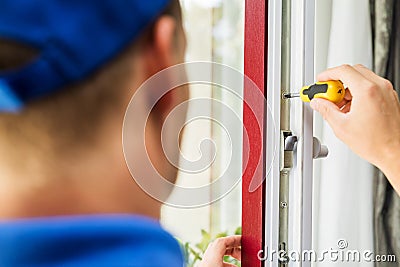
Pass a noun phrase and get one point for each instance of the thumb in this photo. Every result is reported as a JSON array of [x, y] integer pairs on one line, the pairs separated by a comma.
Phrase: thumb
[[329, 111]]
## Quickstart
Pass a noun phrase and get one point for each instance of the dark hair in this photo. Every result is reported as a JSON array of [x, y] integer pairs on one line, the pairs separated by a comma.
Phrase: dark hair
[[173, 9], [14, 55]]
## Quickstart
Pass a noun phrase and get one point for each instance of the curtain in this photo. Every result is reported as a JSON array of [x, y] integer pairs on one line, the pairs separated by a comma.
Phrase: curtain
[[344, 205], [386, 29]]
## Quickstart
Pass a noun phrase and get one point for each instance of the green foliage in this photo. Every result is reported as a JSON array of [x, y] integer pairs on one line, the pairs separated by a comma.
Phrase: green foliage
[[194, 253]]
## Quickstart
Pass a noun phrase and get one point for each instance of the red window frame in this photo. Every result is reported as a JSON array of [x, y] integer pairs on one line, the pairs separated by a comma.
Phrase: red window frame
[[255, 68]]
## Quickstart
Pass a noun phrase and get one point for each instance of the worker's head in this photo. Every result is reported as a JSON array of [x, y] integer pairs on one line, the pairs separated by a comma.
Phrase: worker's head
[[68, 69]]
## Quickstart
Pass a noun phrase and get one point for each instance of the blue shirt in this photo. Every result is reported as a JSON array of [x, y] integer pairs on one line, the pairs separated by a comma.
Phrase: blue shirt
[[100, 240]]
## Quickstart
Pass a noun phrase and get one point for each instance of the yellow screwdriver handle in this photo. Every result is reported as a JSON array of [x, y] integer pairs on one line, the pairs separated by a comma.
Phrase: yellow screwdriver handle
[[333, 91]]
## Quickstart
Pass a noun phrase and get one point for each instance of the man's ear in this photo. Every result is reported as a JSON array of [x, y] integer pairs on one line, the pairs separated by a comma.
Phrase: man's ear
[[167, 49], [164, 41]]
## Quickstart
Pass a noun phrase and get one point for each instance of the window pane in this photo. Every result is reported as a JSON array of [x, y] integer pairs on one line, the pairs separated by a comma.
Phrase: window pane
[[214, 30]]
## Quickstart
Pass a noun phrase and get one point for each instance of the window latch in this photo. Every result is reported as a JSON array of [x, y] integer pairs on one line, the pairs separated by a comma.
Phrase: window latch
[[290, 145]]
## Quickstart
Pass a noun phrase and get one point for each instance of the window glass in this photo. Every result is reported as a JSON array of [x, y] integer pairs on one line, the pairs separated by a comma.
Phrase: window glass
[[214, 31]]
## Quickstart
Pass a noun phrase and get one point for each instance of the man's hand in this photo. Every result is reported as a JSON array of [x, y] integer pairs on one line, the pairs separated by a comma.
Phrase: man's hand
[[226, 246], [368, 119]]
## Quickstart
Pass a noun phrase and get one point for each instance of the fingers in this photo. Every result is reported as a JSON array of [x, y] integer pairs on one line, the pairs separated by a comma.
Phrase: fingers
[[370, 75], [347, 95], [346, 100], [329, 111], [226, 246], [396, 95], [346, 108], [235, 252], [230, 246], [222, 244], [350, 76]]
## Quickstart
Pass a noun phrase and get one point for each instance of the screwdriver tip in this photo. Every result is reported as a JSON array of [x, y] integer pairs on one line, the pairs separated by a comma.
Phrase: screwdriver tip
[[290, 95], [287, 95]]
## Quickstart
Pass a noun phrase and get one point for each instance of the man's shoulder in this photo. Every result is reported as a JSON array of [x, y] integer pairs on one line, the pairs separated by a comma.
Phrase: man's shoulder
[[97, 240]]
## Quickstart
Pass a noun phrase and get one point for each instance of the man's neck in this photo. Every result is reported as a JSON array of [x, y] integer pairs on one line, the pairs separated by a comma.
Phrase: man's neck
[[36, 180]]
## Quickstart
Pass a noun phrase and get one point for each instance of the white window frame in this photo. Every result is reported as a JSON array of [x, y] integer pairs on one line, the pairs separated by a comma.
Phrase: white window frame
[[301, 176]]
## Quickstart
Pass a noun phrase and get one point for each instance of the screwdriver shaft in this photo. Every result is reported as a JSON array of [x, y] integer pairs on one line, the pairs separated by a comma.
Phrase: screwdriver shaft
[[291, 95]]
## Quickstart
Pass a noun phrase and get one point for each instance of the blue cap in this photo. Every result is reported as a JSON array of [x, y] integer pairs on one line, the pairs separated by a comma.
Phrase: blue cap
[[73, 39]]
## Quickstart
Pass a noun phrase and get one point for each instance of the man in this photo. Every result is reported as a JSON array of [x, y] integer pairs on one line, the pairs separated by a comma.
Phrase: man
[[68, 69]]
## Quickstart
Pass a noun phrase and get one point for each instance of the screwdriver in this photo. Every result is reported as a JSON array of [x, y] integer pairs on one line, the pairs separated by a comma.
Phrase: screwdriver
[[333, 91]]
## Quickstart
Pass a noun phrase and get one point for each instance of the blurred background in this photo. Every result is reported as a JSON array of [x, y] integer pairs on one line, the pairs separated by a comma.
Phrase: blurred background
[[216, 34]]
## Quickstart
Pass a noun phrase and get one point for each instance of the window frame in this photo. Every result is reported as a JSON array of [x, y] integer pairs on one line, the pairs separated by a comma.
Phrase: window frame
[[260, 222]]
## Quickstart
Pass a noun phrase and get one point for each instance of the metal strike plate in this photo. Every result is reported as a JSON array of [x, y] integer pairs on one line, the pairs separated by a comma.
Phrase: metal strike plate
[[288, 147], [287, 160]]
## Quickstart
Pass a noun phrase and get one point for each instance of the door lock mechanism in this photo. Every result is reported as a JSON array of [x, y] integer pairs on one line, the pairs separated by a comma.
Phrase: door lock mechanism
[[290, 145]]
